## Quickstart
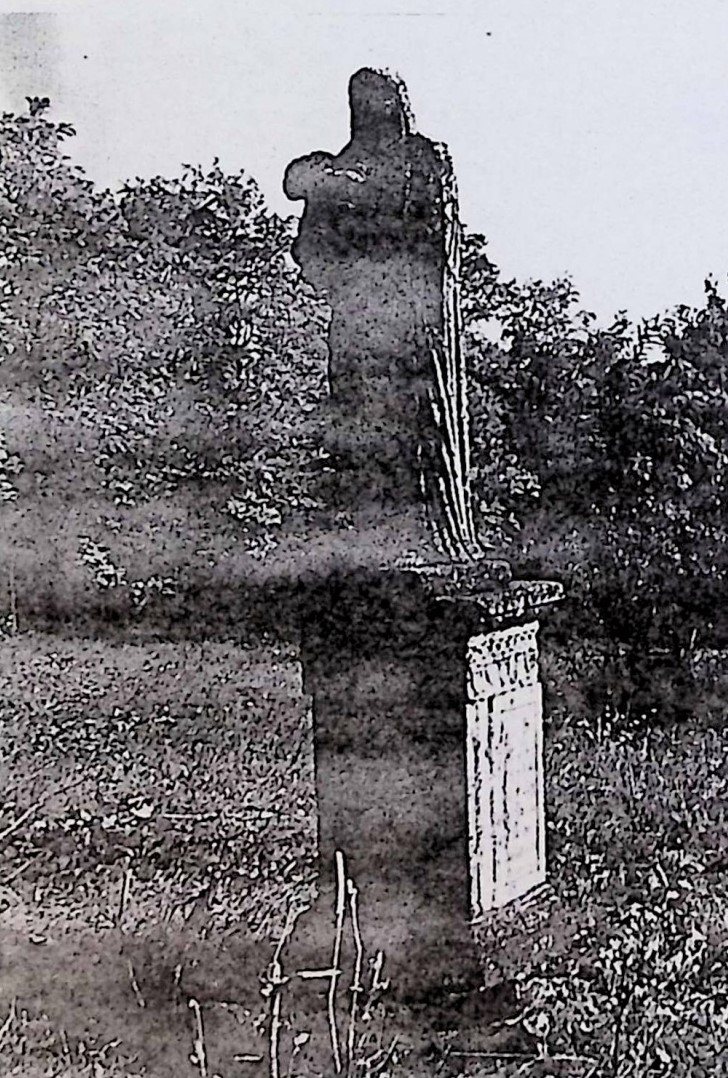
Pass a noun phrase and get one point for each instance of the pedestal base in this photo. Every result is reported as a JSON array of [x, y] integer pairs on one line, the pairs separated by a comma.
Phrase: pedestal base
[[404, 694]]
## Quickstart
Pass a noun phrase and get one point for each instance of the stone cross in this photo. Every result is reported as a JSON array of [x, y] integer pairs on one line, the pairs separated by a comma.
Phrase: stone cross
[[422, 670]]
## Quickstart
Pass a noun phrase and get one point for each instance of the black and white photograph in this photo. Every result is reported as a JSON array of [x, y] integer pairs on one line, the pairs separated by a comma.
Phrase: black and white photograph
[[363, 538]]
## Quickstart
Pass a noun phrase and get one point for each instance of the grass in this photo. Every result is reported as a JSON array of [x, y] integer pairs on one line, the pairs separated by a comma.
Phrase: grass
[[156, 817], [156, 814], [173, 762]]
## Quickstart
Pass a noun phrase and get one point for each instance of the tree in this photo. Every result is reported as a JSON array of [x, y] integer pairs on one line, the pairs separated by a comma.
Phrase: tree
[[609, 452], [160, 368]]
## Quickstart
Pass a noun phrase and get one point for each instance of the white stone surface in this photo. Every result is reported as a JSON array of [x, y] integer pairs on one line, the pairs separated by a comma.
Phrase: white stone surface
[[506, 819]]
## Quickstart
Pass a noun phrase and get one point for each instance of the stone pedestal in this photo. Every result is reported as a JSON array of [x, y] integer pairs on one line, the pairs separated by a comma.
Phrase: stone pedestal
[[424, 685], [426, 711], [505, 781]]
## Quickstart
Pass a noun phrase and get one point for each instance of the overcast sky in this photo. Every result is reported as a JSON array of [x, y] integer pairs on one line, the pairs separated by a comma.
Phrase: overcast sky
[[589, 136]]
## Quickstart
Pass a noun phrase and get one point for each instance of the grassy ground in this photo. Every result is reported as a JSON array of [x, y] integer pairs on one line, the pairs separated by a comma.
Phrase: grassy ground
[[156, 807], [156, 816]]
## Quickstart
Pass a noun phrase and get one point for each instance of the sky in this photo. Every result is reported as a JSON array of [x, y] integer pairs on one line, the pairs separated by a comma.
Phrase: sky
[[589, 137]]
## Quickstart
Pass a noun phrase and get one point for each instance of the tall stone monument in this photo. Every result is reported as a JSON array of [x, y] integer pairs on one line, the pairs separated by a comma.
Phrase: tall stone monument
[[422, 666]]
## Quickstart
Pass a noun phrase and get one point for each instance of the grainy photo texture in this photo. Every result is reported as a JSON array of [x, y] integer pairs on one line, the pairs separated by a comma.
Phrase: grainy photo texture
[[362, 639]]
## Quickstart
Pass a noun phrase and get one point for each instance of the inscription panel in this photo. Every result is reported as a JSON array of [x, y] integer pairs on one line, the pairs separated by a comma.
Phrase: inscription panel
[[505, 767]]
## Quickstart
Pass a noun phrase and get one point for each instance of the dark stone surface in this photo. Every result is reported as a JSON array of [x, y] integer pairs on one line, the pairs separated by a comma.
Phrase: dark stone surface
[[385, 666], [371, 241], [384, 660]]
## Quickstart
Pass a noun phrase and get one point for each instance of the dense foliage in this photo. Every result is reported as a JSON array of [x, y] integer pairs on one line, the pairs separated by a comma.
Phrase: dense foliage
[[161, 366], [160, 361], [607, 450]]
